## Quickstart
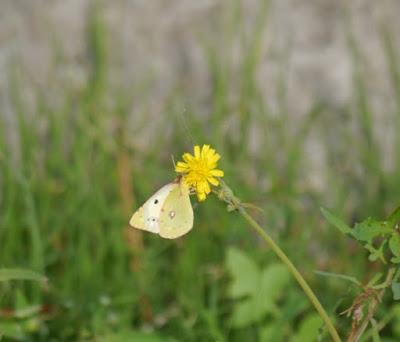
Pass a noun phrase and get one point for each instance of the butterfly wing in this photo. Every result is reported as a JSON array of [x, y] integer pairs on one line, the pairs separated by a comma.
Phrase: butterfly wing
[[176, 216], [147, 216]]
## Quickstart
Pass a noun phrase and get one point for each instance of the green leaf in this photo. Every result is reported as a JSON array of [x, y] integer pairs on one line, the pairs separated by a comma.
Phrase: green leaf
[[270, 287], [396, 291], [274, 279], [309, 329], [20, 300], [395, 260], [12, 330], [370, 229], [295, 303], [396, 320], [244, 314], [394, 244], [273, 331], [375, 279], [257, 290], [394, 217], [245, 274], [339, 276], [7, 274], [376, 254], [335, 221]]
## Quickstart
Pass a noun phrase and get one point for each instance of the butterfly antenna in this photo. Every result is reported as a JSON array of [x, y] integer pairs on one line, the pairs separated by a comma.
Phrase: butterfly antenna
[[173, 160], [184, 124]]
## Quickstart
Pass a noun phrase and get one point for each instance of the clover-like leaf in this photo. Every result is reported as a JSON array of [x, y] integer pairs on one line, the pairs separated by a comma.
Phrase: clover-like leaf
[[256, 291], [245, 273], [309, 329], [273, 331], [274, 279], [243, 313]]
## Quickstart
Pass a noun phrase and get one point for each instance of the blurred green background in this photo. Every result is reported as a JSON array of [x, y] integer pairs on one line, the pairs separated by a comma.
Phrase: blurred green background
[[302, 100]]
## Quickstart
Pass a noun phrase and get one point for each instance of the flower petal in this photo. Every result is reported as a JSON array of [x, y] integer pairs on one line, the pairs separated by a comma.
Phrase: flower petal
[[201, 196], [207, 188], [204, 151], [182, 167], [197, 152], [187, 157], [217, 173], [203, 186], [213, 181], [200, 186], [212, 160]]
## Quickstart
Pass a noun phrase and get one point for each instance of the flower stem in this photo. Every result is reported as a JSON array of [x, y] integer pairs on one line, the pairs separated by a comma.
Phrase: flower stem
[[306, 288], [226, 194]]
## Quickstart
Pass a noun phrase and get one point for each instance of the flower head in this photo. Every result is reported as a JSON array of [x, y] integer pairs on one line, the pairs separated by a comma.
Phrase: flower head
[[200, 170]]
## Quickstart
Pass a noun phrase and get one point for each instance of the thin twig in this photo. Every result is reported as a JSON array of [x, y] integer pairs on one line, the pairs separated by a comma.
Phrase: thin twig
[[381, 325], [356, 335]]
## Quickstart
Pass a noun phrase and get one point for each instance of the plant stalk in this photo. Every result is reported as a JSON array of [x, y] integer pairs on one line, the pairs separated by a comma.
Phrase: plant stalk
[[226, 194], [296, 274]]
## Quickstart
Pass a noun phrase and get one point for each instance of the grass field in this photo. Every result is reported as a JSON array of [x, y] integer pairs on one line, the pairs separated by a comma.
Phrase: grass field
[[70, 185]]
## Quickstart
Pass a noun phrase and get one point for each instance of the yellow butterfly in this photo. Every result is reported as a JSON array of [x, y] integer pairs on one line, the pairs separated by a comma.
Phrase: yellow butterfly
[[168, 212]]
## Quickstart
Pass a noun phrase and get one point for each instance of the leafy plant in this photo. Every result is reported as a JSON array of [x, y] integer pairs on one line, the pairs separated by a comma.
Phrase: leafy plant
[[264, 296], [256, 290], [379, 237], [382, 241]]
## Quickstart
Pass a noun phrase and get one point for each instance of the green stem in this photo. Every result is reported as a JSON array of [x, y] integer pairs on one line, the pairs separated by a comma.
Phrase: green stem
[[382, 324], [306, 288], [226, 194]]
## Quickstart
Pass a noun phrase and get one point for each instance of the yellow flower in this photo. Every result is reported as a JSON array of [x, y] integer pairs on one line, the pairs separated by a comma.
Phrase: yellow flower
[[200, 169]]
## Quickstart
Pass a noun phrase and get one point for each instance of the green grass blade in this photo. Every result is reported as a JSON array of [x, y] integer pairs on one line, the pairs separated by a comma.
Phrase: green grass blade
[[339, 276], [7, 274]]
